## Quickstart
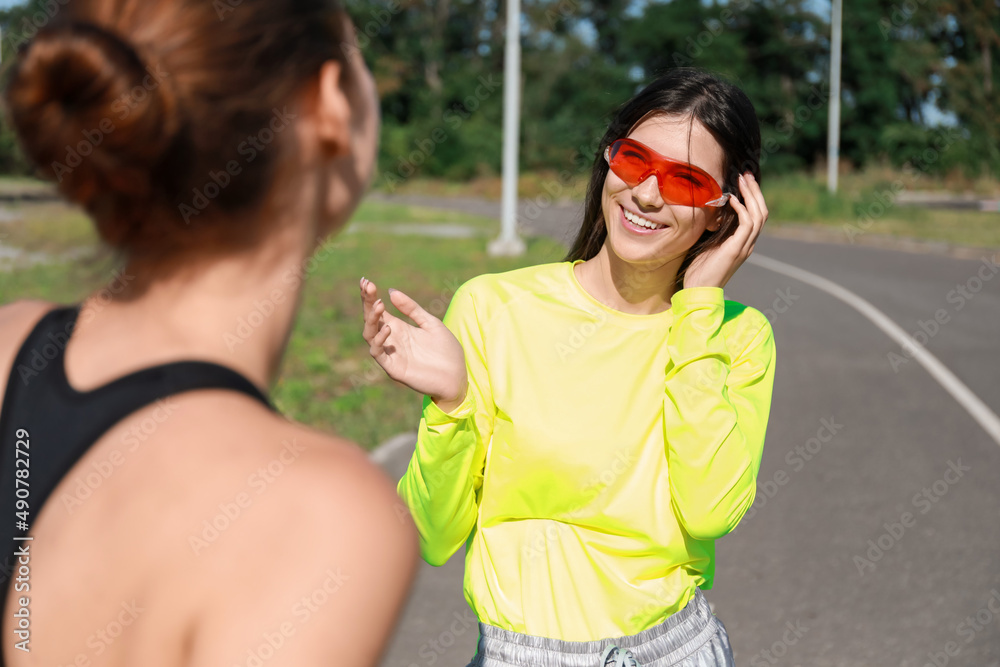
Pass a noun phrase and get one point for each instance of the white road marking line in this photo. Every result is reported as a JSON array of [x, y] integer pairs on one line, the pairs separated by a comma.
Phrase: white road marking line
[[968, 400]]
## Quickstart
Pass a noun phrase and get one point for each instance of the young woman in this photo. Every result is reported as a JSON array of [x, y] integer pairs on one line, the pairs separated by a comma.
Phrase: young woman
[[176, 518], [592, 426]]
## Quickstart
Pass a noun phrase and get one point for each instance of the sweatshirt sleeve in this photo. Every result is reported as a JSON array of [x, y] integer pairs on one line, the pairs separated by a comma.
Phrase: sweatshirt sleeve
[[443, 481], [715, 414]]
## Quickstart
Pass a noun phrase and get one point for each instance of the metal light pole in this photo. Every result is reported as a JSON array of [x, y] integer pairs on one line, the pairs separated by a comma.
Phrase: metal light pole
[[509, 243], [833, 130]]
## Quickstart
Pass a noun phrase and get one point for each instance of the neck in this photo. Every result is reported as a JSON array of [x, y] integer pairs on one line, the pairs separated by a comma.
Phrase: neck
[[638, 289], [236, 310]]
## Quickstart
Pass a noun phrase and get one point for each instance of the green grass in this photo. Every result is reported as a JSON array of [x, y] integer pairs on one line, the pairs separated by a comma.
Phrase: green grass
[[328, 380], [50, 226], [868, 205], [389, 212], [54, 227]]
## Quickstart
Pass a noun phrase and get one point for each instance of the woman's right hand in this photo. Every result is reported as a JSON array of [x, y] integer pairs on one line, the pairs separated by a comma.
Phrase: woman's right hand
[[426, 358]]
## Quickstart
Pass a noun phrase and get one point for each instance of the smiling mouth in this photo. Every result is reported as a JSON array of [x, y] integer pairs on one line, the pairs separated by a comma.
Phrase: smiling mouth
[[639, 221]]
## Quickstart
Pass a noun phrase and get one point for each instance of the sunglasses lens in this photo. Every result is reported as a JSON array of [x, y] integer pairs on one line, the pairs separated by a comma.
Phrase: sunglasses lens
[[687, 186], [680, 183], [630, 163]]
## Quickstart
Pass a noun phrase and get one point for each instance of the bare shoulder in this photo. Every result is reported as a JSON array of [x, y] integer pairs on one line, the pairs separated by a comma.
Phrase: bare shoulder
[[21, 314], [328, 553], [341, 474]]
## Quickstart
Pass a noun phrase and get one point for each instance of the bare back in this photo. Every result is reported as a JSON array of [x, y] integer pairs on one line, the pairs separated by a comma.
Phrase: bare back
[[203, 529]]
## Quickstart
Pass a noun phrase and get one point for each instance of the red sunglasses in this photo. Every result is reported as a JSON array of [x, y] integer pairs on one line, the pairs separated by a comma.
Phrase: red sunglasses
[[680, 182]]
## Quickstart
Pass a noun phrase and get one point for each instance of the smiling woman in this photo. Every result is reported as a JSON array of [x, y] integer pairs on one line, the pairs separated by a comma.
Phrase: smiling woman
[[591, 427], [703, 126]]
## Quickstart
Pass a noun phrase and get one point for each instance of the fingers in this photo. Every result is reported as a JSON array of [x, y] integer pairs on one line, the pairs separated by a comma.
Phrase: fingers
[[369, 293], [377, 346], [744, 230], [758, 197], [411, 308], [747, 185], [373, 318], [754, 211], [755, 199], [369, 297]]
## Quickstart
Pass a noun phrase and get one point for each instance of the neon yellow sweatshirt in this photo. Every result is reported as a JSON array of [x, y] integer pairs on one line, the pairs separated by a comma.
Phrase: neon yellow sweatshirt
[[597, 455]]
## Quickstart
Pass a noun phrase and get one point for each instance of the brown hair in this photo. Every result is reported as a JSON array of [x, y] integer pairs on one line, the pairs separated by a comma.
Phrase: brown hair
[[722, 108], [151, 113]]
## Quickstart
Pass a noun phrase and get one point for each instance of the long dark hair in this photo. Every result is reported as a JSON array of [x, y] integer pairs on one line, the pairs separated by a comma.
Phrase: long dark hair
[[722, 108]]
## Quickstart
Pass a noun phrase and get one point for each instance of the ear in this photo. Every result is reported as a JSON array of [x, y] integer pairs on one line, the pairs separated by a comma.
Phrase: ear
[[716, 222], [333, 112]]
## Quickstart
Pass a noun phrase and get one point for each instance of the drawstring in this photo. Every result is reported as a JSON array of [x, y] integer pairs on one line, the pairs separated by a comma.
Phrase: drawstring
[[625, 659]]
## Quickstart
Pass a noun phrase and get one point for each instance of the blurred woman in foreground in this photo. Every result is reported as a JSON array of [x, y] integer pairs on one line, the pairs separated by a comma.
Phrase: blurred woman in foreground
[[172, 515]]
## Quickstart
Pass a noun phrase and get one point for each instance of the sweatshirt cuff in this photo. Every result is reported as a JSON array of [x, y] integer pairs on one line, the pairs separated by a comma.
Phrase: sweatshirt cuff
[[689, 296], [435, 416]]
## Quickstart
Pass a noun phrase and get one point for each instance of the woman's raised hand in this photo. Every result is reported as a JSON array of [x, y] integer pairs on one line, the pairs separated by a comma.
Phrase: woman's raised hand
[[426, 358], [715, 267]]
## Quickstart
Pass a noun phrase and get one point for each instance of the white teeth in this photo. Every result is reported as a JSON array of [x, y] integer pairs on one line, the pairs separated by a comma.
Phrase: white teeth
[[641, 222]]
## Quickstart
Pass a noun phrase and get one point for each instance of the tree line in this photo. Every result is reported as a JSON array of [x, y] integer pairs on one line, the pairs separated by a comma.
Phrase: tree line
[[907, 64]]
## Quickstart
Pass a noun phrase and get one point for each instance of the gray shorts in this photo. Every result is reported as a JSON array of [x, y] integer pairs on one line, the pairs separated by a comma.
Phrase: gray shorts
[[692, 637]]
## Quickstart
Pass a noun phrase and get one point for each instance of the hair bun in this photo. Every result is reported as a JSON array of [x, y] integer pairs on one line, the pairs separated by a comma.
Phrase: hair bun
[[90, 112]]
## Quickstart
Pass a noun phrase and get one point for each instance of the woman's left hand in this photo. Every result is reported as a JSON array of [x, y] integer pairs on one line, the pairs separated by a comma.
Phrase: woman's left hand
[[715, 267]]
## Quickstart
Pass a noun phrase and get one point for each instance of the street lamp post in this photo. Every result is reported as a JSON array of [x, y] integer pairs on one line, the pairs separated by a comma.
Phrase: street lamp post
[[833, 128], [509, 243]]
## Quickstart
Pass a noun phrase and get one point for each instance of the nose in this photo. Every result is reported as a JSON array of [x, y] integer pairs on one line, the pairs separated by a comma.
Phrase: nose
[[647, 193]]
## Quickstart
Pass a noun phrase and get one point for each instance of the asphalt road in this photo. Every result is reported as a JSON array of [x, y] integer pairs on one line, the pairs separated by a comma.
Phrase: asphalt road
[[875, 537]]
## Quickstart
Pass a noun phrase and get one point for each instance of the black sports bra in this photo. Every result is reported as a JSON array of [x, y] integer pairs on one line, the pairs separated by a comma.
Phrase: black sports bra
[[46, 426]]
